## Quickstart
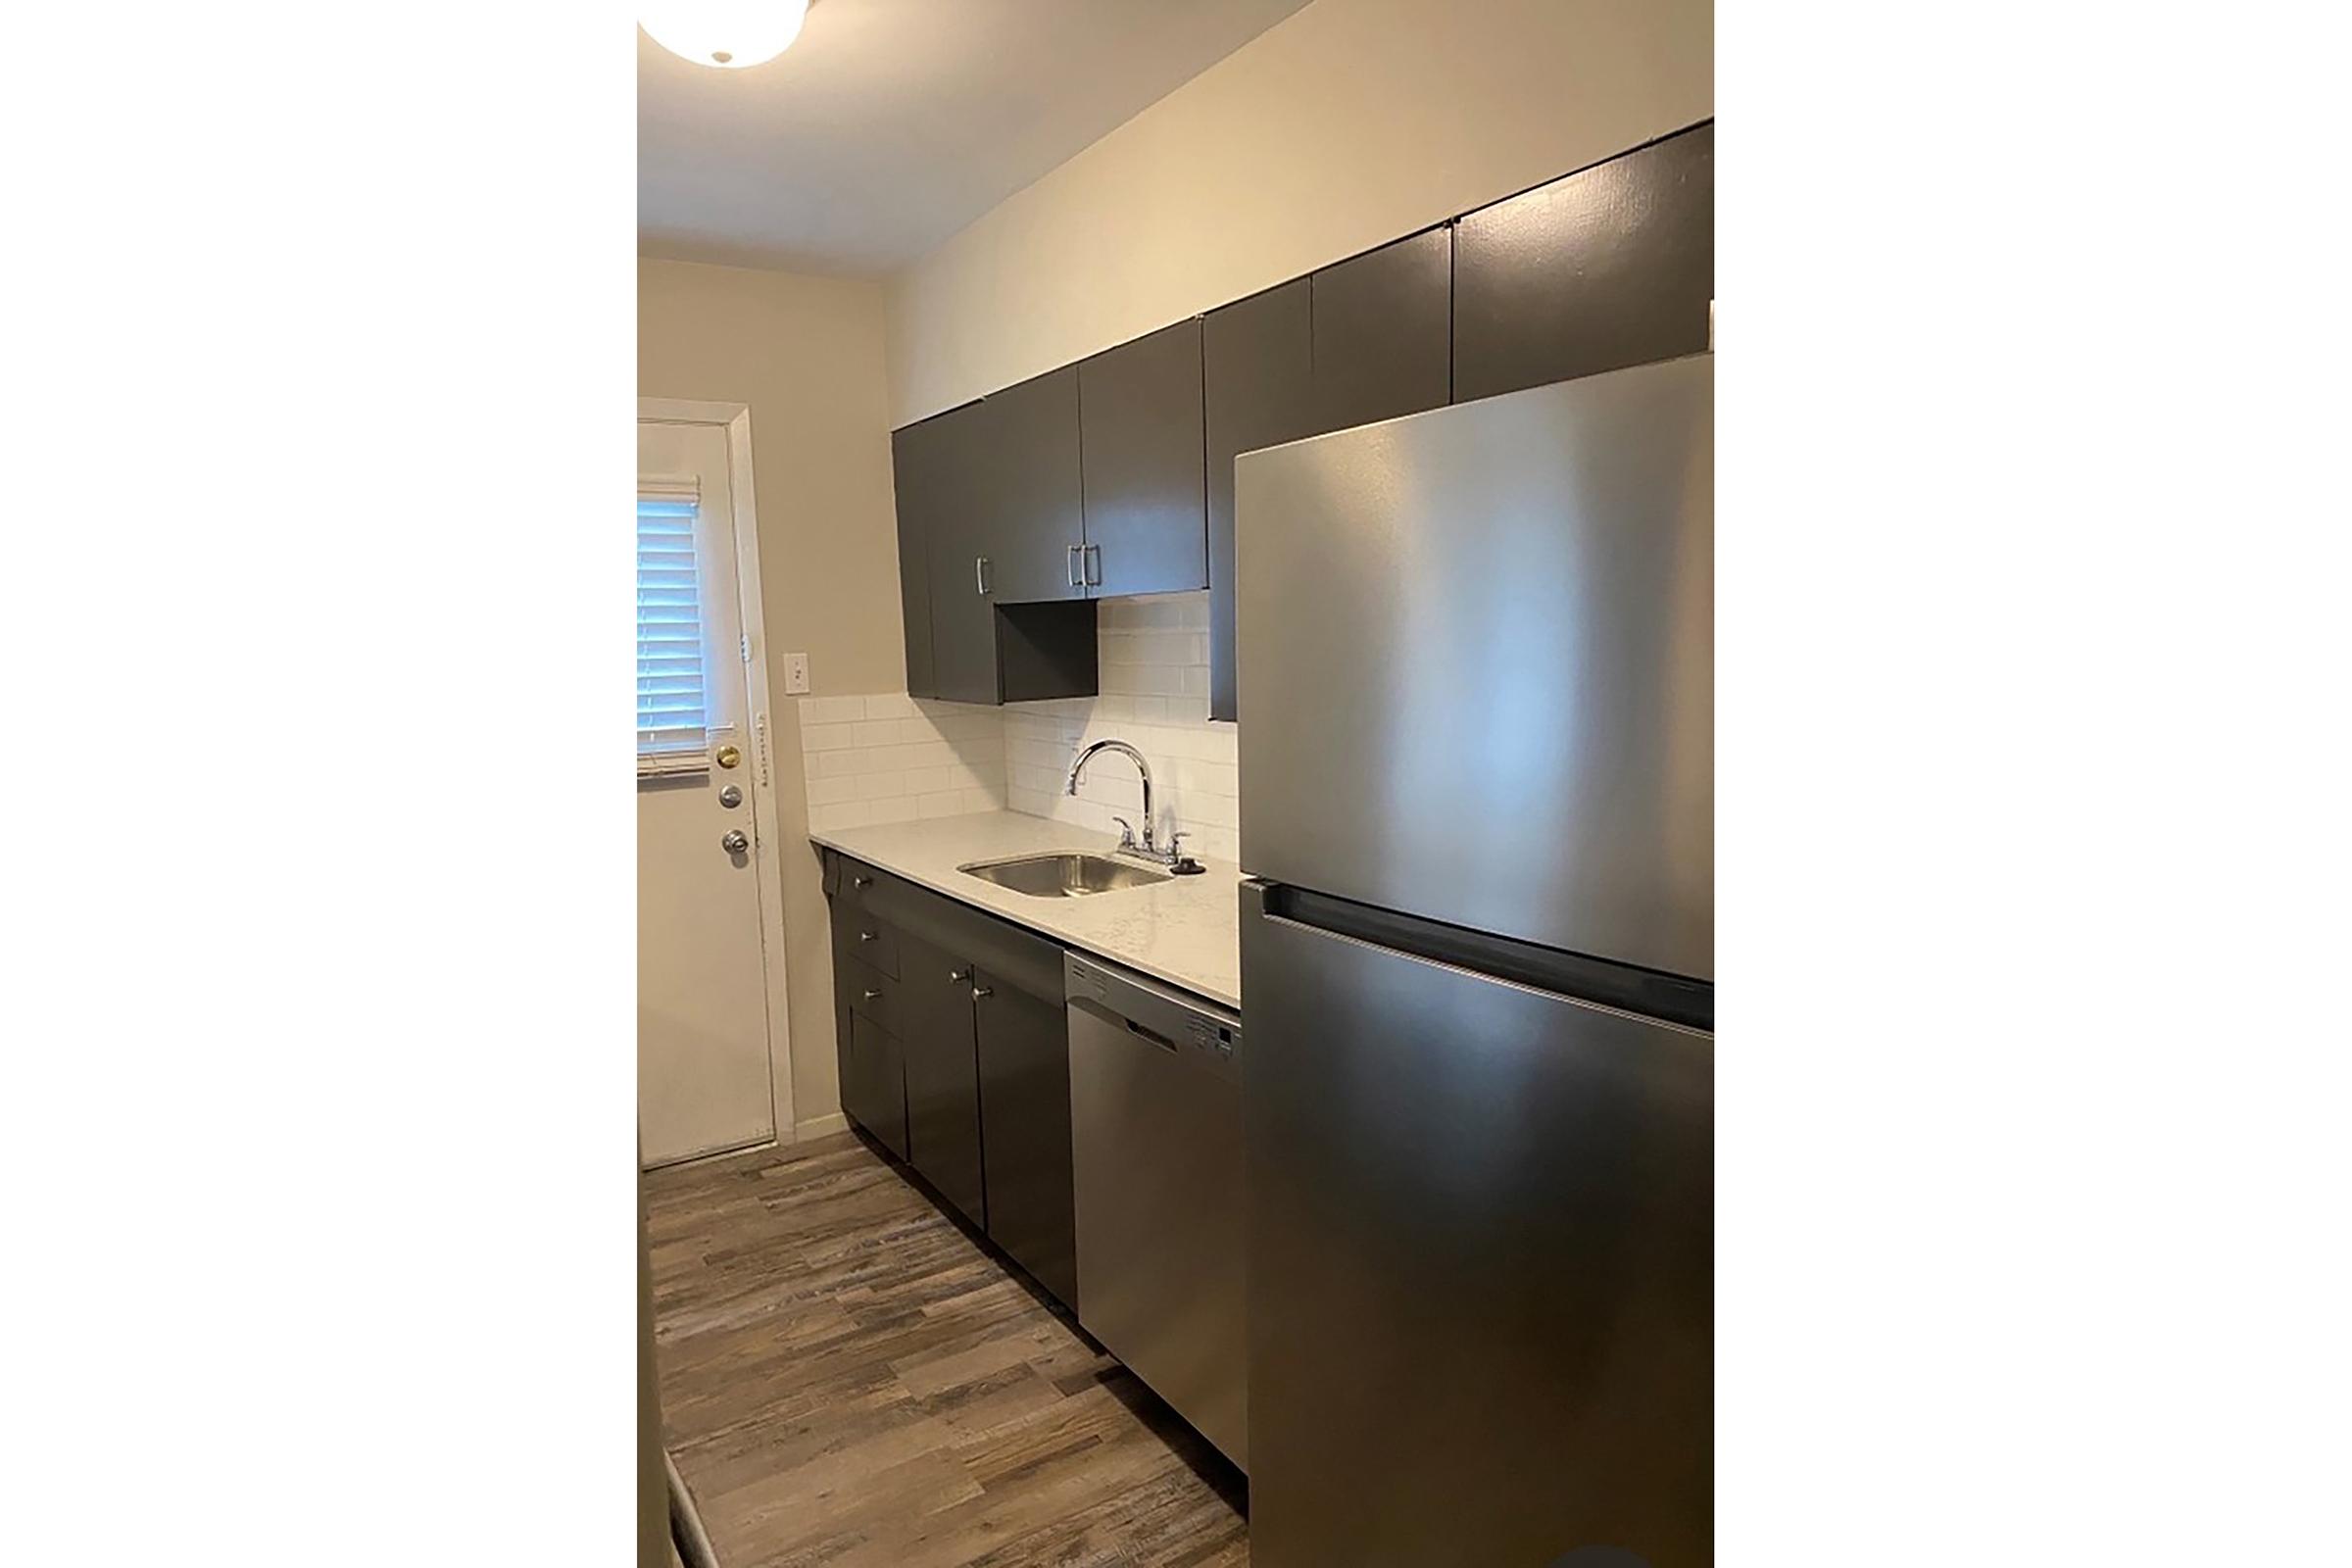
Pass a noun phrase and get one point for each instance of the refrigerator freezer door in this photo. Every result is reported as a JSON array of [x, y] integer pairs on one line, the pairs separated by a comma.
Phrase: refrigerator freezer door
[[1479, 1267], [1476, 647]]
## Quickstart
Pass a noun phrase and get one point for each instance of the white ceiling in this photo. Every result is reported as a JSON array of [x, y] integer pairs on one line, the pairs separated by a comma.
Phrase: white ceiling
[[893, 123]]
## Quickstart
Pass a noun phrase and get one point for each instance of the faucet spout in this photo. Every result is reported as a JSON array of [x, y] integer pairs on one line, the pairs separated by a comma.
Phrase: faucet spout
[[1143, 770]]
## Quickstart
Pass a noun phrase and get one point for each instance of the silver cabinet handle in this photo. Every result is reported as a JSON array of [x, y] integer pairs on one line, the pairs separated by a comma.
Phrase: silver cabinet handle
[[981, 993], [862, 881], [959, 975], [1093, 565], [868, 936], [870, 994], [1076, 581], [980, 574], [734, 842]]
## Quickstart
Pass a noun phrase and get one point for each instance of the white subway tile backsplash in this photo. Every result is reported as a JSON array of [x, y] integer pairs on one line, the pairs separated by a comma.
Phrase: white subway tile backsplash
[[830, 710], [1153, 667], [886, 757], [848, 813], [831, 790], [891, 757]]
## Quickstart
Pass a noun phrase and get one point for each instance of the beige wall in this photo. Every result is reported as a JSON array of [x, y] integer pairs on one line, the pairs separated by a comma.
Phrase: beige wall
[[1349, 123], [807, 355]]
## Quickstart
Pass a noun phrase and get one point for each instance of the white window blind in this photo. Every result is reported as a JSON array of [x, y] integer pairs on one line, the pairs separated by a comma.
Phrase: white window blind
[[673, 717]]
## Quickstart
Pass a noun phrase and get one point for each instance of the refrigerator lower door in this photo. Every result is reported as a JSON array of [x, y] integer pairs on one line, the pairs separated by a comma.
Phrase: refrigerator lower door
[[1480, 1260]]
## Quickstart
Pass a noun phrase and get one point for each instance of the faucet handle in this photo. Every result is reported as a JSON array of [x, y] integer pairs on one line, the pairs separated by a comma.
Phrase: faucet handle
[[1126, 833]]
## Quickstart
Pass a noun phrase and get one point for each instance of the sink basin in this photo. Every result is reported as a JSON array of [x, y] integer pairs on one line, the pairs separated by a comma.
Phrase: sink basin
[[1063, 876]]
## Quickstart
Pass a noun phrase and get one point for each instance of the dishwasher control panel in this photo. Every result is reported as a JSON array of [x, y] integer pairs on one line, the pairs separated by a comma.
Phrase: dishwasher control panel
[[1154, 1013], [1209, 1036]]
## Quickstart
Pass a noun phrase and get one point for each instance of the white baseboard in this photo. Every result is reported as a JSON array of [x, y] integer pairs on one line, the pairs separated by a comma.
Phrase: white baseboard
[[819, 1126]]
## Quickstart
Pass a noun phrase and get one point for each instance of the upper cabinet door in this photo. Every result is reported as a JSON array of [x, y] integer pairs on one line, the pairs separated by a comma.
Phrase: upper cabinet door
[[1257, 390], [1383, 333], [964, 616], [915, 474], [1610, 267], [1026, 497], [1139, 422]]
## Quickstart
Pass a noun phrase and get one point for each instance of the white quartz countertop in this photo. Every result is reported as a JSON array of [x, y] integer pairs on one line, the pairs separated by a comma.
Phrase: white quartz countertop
[[1186, 930]]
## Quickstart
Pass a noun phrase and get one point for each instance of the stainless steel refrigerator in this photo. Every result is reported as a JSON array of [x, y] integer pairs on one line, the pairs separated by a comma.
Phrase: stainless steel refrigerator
[[1477, 709]]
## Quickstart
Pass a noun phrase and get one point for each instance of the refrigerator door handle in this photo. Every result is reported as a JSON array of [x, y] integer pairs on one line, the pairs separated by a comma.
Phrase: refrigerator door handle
[[1676, 1000]]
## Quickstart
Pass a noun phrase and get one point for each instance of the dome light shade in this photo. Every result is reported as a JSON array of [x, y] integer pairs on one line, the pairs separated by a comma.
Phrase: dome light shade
[[728, 33]]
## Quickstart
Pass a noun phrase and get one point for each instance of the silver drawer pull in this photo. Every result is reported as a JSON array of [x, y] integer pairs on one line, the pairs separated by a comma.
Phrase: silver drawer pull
[[862, 881], [870, 995], [868, 936], [959, 974], [981, 993]]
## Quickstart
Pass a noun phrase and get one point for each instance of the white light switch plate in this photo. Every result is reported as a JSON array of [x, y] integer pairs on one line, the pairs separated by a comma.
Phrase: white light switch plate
[[796, 673]]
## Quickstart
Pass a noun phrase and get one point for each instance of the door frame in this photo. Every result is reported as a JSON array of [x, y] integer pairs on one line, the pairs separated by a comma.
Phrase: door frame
[[735, 420]]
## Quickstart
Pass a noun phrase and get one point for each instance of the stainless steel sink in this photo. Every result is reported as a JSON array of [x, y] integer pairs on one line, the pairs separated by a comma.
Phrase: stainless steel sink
[[1063, 876]]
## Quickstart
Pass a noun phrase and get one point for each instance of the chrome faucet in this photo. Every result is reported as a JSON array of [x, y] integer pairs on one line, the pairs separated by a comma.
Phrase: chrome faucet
[[1146, 850]]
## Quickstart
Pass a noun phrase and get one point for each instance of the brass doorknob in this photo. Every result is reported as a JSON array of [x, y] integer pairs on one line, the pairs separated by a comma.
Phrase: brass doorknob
[[729, 756], [735, 842]]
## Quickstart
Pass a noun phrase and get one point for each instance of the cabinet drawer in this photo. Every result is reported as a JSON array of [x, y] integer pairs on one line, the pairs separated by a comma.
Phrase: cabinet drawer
[[969, 936], [849, 883], [857, 935], [869, 992]]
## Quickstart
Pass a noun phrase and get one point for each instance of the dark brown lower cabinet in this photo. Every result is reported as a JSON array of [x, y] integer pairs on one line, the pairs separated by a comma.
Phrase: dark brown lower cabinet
[[942, 1076], [958, 1059], [1025, 1116], [873, 1079]]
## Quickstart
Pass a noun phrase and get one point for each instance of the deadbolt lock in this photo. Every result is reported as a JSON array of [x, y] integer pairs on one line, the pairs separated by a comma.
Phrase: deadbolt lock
[[731, 797]]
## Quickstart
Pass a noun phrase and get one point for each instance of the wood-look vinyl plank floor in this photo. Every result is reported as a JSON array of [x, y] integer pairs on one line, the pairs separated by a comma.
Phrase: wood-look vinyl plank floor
[[848, 1379]]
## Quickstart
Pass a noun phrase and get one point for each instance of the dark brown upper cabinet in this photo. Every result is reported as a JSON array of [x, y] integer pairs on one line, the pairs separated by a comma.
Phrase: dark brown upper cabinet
[[920, 481], [1383, 333], [1115, 475], [1258, 385], [1610, 267], [943, 467], [962, 491], [1025, 502], [1139, 422]]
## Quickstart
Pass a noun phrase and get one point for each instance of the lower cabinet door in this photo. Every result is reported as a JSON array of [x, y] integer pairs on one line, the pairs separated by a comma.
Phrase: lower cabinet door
[[942, 1076], [1024, 1056], [873, 1088]]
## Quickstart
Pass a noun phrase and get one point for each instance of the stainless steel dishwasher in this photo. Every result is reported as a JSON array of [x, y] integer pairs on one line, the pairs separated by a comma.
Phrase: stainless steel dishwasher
[[1155, 1121]]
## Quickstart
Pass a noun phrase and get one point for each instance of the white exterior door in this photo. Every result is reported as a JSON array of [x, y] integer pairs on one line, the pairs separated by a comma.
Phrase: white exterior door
[[703, 1079]]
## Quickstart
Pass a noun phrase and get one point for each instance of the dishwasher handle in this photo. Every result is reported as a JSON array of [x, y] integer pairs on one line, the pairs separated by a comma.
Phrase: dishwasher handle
[[1153, 1035]]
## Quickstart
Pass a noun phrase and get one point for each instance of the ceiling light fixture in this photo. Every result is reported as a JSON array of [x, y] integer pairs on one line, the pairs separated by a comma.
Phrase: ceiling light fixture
[[728, 34]]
